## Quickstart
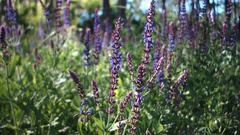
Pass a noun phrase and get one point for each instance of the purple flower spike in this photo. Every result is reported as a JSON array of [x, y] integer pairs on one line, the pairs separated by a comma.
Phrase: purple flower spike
[[147, 36], [78, 84], [95, 91], [174, 92], [2, 37], [97, 37], [46, 14], [115, 62], [58, 15], [66, 14], [171, 42], [86, 50], [11, 14], [122, 106], [129, 61]]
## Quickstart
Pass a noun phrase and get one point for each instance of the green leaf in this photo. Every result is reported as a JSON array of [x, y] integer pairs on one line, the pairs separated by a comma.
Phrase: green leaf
[[80, 128], [41, 101], [159, 128], [98, 123], [16, 60]]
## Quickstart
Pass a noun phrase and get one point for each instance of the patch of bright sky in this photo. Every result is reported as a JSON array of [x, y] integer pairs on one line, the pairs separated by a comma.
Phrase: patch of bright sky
[[145, 4]]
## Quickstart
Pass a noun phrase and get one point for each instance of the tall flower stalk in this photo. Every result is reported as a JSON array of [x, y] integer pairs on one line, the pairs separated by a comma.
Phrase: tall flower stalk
[[6, 58], [130, 66], [46, 14], [164, 21], [122, 107], [147, 36], [97, 37], [86, 50], [11, 15], [58, 15], [148, 43], [174, 93], [115, 62], [183, 20], [66, 14], [84, 111]]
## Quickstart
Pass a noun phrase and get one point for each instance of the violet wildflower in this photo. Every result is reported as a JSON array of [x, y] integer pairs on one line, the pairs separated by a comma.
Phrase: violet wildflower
[[122, 106], [97, 44], [137, 97], [212, 22], [58, 15], [160, 75], [129, 63], [52, 44], [157, 54], [97, 37], [147, 33], [174, 92], [95, 91], [164, 51], [78, 84], [223, 40], [66, 14], [164, 21], [183, 20], [4, 45], [157, 70], [85, 113], [46, 14], [86, 50], [196, 20], [229, 11], [171, 42], [2, 38], [139, 80], [225, 36], [41, 31], [11, 14], [115, 62], [234, 35], [192, 38], [169, 76], [203, 42], [36, 55]]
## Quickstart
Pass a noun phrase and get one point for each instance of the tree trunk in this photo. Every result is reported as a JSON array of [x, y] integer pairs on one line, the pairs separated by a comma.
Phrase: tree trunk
[[122, 8], [106, 9]]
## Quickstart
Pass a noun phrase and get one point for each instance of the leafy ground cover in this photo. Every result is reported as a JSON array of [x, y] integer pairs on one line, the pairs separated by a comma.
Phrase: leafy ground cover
[[160, 77]]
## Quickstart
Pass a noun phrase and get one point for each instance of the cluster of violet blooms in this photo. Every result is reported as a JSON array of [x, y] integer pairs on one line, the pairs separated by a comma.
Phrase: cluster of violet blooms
[[10, 31], [163, 56], [140, 82]]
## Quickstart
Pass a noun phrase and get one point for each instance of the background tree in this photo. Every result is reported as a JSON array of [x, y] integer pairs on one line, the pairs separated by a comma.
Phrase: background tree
[[122, 8]]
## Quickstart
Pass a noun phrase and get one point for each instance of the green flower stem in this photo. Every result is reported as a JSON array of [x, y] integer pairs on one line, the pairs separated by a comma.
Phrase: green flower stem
[[49, 128], [11, 104]]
